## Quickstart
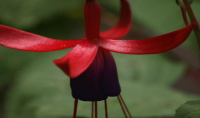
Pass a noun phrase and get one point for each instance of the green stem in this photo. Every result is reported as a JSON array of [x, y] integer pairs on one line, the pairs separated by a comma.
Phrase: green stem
[[192, 19]]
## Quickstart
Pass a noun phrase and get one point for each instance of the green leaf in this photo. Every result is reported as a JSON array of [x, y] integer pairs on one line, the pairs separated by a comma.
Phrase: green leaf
[[43, 91], [190, 109]]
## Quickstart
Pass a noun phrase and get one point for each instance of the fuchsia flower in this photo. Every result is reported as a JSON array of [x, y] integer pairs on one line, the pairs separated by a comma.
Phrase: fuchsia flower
[[90, 65]]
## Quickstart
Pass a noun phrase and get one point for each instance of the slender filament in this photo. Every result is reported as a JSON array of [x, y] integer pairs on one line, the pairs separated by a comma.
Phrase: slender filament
[[125, 106], [122, 106], [95, 109], [75, 107], [106, 110], [92, 109]]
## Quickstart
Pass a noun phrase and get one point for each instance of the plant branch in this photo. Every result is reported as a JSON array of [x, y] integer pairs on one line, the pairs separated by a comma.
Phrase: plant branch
[[192, 18]]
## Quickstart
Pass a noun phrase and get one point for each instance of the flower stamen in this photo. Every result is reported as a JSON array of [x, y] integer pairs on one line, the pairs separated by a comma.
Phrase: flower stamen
[[120, 102], [106, 110], [125, 106], [96, 109], [92, 109], [75, 107]]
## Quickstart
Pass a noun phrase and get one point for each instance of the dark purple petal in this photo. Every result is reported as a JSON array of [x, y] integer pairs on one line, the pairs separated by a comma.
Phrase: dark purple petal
[[99, 81], [86, 87], [110, 83]]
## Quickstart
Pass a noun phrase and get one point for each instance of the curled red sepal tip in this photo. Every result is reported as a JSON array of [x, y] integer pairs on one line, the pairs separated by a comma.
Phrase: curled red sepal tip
[[151, 45], [123, 25]]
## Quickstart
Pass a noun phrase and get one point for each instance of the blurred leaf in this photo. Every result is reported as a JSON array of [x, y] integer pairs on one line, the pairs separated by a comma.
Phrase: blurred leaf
[[190, 109], [149, 69], [28, 13], [43, 91], [11, 62]]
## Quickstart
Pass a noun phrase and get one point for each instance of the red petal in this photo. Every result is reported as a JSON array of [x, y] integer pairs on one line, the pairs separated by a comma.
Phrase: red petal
[[124, 24], [92, 13], [149, 46], [78, 59], [21, 40]]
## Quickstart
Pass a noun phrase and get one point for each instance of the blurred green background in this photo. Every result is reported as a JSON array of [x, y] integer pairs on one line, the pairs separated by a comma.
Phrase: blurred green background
[[31, 86]]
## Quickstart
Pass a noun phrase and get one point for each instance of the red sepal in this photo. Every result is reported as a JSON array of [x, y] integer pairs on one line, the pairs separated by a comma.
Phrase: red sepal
[[92, 13], [78, 59], [124, 24], [151, 45], [21, 40]]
